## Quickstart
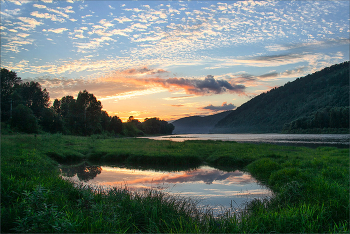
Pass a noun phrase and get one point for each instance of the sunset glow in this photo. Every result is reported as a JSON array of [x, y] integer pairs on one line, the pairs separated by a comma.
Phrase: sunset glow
[[170, 59]]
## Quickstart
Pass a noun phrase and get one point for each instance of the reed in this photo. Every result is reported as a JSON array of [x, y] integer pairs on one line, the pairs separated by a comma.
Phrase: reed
[[311, 187]]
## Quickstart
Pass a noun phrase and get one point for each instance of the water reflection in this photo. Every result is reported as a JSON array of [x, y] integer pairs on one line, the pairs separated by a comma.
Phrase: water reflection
[[212, 187], [83, 171]]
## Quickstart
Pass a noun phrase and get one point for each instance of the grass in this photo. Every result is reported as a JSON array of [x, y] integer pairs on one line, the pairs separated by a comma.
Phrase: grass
[[311, 187]]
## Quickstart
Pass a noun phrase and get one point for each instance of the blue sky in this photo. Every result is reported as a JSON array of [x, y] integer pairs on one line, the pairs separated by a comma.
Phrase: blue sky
[[170, 59]]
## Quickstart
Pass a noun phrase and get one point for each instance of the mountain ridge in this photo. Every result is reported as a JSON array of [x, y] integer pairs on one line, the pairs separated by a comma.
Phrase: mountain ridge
[[197, 124], [308, 102]]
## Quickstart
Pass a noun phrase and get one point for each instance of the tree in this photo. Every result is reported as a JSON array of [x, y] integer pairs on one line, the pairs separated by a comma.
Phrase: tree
[[57, 106], [68, 113], [89, 113], [132, 127], [105, 120], [34, 97], [50, 121], [9, 80], [115, 125], [156, 126], [24, 120]]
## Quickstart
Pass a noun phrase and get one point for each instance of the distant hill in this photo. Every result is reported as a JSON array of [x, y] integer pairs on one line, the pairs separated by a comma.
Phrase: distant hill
[[197, 124], [316, 103]]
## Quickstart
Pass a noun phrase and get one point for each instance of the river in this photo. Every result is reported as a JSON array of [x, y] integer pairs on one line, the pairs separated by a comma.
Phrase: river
[[309, 140]]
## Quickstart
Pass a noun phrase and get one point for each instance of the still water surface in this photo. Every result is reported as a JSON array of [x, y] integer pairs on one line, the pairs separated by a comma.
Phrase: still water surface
[[213, 188], [310, 140]]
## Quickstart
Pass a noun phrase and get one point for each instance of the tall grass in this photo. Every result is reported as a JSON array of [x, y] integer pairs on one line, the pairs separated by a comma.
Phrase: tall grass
[[311, 187]]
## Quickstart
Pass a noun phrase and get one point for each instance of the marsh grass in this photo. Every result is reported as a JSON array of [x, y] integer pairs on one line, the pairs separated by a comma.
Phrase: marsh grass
[[311, 187]]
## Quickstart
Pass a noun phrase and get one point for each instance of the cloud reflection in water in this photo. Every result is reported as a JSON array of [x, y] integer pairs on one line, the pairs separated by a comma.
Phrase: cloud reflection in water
[[209, 185]]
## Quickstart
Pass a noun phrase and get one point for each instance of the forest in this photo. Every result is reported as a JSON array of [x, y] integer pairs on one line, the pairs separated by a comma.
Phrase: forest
[[25, 107], [316, 103]]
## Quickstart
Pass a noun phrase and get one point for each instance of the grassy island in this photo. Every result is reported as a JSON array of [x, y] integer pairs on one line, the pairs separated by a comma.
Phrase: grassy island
[[311, 187]]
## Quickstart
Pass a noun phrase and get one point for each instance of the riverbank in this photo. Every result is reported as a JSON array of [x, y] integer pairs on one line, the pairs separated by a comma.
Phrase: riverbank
[[311, 187]]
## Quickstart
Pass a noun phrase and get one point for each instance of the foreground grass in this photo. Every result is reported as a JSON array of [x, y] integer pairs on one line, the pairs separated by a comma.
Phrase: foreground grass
[[311, 187]]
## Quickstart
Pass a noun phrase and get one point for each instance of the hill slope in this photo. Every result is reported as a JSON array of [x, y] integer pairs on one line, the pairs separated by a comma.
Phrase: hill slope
[[306, 103], [197, 124]]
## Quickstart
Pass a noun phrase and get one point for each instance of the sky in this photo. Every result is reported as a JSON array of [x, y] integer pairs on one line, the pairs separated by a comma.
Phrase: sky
[[170, 59]]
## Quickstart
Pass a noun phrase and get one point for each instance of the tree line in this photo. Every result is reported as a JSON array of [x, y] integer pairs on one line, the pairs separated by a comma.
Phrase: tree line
[[25, 107], [328, 118]]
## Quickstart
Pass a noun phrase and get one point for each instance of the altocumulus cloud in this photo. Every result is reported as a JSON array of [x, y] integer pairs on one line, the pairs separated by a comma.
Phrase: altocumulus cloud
[[197, 86], [223, 107]]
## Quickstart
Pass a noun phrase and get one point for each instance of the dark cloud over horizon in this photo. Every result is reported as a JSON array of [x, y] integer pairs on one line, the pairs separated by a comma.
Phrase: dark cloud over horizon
[[197, 86], [223, 107]]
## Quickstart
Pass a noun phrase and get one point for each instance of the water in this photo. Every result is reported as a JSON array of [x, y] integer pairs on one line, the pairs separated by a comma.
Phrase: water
[[310, 140], [211, 187]]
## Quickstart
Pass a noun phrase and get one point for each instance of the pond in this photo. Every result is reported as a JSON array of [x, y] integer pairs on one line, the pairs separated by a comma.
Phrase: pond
[[309, 140], [212, 188]]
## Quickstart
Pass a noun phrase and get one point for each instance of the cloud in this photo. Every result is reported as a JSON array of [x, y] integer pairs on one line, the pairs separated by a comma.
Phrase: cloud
[[278, 58], [143, 70], [196, 86], [223, 107], [57, 30], [46, 16], [39, 6], [103, 89], [178, 105], [31, 23], [131, 94], [269, 75], [178, 98], [308, 46], [294, 72]]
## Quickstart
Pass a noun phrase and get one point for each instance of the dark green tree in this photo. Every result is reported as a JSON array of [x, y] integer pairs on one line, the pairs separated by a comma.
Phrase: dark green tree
[[132, 127], [23, 120], [89, 113], [68, 112], [34, 97], [105, 120], [50, 121], [115, 125], [153, 126], [9, 80]]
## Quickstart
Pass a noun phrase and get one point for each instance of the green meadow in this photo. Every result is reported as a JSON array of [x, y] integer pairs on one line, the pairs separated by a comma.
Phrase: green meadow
[[311, 187]]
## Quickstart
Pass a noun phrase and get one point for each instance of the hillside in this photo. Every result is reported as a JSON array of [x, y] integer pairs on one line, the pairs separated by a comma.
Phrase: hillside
[[316, 101], [197, 124]]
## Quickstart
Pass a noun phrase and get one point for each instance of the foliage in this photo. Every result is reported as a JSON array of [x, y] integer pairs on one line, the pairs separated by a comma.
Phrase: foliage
[[311, 187], [34, 97], [156, 126], [9, 80], [24, 120], [324, 118], [319, 100]]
